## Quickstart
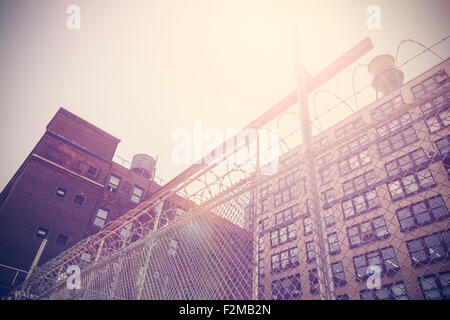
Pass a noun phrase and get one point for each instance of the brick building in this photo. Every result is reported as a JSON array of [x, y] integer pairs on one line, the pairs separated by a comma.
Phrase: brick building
[[66, 189], [383, 179]]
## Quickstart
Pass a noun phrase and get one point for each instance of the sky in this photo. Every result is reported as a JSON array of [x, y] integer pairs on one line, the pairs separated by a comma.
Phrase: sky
[[142, 69]]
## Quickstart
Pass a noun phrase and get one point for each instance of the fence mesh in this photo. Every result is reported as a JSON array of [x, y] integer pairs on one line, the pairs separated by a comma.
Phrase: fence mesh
[[382, 214]]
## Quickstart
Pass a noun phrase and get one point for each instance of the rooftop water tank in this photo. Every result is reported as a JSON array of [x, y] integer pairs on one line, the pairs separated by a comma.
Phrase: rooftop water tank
[[386, 77], [144, 165]]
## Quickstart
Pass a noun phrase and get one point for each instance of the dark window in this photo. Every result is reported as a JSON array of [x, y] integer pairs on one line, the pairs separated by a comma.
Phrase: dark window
[[367, 231], [113, 183], [284, 260], [263, 224], [433, 106], [261, 267], [287, 215], [338, 274], [79, 199], [396, 141], [354, 145], [438, 121], [342, 297], [61, 192], [430, 248], [283, 235], [430, 84], [384, 258], [325, 175], [328, 196], [354, 162], [421, 213], [444, 145], [333, 243], [101, 217], [359, 183], [410, 184], [136, 194], [313, 281], [286, 194], [360, 204], [61, 240], [349, 128], [387, 107], [264, 206], [92, 171], [287, 288], [393, 291], [436, 286], [264, 192], [42, 233], [310, 251], [328, 216], [406, 163], [308, 225]]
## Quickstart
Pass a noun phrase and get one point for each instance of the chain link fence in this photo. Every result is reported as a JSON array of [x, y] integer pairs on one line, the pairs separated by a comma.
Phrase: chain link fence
[[371, 222]]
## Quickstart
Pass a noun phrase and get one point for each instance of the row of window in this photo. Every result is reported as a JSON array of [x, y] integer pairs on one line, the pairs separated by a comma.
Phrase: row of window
[[433, 287], [61, 239], [430, 248]]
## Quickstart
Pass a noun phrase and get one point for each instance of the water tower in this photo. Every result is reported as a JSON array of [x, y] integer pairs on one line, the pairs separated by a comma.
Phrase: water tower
[[386, 76], [144, 165]]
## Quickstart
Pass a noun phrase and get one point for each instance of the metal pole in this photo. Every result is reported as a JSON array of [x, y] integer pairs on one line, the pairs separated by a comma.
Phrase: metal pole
[[254, 215], [33, 265], [324, 274]]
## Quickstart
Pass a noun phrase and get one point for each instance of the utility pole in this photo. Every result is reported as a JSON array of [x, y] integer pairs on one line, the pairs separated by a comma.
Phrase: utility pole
[[321, 250]]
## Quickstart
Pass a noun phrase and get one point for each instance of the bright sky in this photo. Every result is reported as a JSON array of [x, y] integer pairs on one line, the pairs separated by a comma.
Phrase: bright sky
[[141, 69]]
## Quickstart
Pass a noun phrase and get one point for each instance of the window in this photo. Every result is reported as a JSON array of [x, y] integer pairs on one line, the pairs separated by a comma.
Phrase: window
[[328, 196], [321, 142], [354, 145], [430, 84], [359, 183], [360, 204], [328, 216], [439, 121], [338, 274], [263, 225], [397, 141], [354, 162], [393, 291], [444, 145], [324, 175], [436, 286], [284, 260], [310, 251], [101, 217], [261, 267], [433, 247], [366, 232], [260, 243], [406, 163], [333, 243], [324, 161], [136, 194], [264, 192], [308, 225], [435, 104], [283, 235], [313, 281], [61, 240], [387, 108], [61, 192], [79, 199], [287, 288], [349, 128], [264, 206], [92, 171], [286, 195], [342, 297], [42, 233], [113, 183], [410, 184], [422, 213], [384, 258], [287, 215], [391, 127]]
